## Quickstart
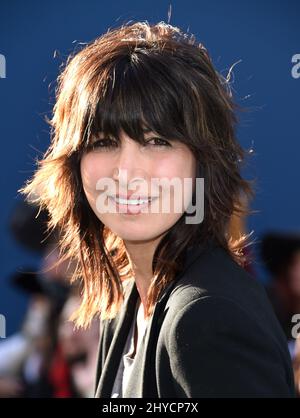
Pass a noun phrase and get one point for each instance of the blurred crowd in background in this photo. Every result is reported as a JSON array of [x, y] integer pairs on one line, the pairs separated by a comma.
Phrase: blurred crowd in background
[[49, 357]]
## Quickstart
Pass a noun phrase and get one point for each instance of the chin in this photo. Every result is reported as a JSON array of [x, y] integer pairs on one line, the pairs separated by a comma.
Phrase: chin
[[138, 232], [141, 235], [142, 229]]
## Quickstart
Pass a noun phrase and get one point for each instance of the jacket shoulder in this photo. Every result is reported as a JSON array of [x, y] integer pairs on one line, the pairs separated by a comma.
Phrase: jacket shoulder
[[219, 276], [216, 348]]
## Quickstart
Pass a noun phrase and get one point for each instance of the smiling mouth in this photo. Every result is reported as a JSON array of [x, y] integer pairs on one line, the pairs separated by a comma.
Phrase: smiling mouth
[[132, 202], [131, 206]]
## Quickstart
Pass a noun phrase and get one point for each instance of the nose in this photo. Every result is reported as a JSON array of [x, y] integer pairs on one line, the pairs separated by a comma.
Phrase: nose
[[128, 168]]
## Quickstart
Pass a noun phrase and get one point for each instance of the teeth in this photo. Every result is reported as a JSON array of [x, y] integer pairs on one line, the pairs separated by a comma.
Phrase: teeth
[[131, 201]]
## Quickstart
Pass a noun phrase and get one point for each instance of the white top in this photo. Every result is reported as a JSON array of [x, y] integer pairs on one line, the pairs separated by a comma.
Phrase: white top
[[128, 356]]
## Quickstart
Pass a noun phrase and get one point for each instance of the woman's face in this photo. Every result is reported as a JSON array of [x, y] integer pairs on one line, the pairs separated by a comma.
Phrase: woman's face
[[136, 172]]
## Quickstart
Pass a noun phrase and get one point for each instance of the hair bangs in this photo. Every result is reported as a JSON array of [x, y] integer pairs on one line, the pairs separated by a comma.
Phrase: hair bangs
[[139, 98]]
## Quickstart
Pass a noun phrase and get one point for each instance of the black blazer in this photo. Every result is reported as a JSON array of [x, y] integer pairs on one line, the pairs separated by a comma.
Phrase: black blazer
[[213, 333]]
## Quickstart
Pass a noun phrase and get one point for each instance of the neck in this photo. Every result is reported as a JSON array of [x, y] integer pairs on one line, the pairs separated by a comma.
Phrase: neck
[[140, 255]]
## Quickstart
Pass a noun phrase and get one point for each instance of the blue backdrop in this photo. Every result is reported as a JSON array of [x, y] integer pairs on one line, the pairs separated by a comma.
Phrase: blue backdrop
[[260, 36]]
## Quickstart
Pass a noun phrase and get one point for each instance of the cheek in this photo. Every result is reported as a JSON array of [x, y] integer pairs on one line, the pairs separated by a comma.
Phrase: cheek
[[179, 166], [92, 170]]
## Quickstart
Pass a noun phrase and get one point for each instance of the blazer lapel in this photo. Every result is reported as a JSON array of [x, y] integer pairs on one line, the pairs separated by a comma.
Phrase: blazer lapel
[[115, 351]]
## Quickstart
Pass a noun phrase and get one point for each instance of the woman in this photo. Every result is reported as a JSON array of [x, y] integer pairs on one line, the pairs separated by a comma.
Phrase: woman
[[137, 108]]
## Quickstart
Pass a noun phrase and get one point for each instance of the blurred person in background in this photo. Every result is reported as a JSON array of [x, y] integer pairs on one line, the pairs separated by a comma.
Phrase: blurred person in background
[[47, 357], [280, 253], [25, 356], [79, 347], [296, 365]]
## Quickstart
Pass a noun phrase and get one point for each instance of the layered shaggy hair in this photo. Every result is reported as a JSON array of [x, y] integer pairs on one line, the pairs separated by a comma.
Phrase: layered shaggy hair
[[137, 75]]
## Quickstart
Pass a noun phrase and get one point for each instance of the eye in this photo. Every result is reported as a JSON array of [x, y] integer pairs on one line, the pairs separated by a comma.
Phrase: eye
[[159, 142], [105, 144]]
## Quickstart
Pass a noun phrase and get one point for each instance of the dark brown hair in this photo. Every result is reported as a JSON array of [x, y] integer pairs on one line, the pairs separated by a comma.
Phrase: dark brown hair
[[134, 76]]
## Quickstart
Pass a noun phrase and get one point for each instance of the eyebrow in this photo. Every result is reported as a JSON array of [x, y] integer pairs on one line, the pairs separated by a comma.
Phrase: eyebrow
[[144, 130]]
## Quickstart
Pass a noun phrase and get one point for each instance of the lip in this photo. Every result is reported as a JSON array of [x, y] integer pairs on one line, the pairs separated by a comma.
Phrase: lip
[[131, 209]]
